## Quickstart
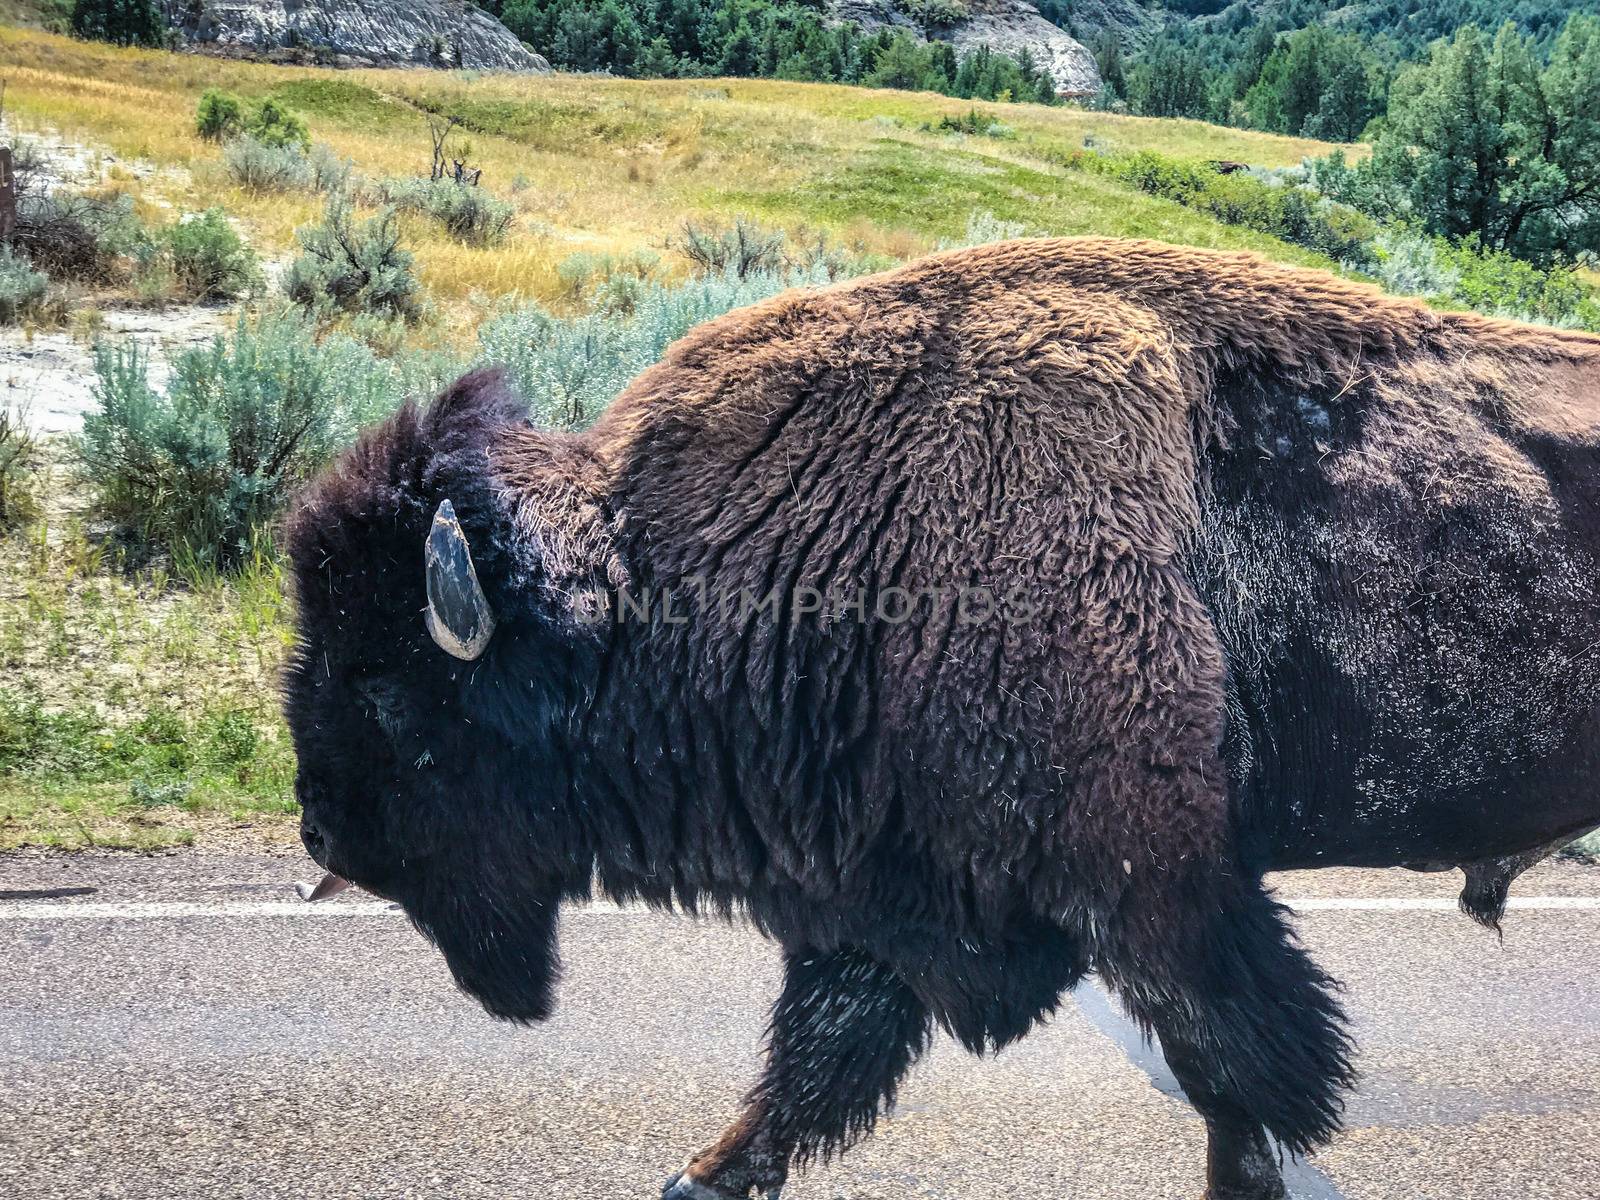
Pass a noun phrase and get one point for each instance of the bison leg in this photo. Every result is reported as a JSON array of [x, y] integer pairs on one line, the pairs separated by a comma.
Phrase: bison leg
[[1240, 1164], [843, 1033], [1251, 1022]]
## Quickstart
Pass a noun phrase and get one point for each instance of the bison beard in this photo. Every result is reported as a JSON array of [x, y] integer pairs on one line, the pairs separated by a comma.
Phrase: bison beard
[[501, 953], [1186, 469]]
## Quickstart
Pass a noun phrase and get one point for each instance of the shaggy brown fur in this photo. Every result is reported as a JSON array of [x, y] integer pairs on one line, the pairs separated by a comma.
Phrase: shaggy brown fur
[[1249, 534]]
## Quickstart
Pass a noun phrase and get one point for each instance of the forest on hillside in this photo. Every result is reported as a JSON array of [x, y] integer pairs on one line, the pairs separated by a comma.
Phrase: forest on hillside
[[1304, 67]]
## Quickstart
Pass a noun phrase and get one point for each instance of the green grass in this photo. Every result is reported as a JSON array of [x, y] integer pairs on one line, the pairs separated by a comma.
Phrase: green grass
[[137, 709], [342, 102], [74, 778], [935, 190]]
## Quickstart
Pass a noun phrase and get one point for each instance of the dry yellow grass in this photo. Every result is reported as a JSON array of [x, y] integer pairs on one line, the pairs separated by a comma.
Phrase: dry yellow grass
[[602, 164]]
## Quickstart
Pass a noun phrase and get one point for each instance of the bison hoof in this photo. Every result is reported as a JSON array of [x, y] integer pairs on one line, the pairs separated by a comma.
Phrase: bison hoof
[[681, 1187]]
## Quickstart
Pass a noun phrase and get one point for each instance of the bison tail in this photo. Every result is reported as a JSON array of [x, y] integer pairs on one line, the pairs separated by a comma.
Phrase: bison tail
[[1265, 1034]]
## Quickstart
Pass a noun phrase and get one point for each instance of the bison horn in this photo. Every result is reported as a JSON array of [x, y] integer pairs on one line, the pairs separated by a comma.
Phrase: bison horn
[[459, 618]]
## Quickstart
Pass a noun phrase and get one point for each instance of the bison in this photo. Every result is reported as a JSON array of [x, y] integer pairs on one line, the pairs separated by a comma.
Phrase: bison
[[970, 628]]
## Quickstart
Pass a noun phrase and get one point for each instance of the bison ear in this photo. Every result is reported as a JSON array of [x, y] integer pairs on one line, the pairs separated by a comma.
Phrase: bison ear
[[459, 618]]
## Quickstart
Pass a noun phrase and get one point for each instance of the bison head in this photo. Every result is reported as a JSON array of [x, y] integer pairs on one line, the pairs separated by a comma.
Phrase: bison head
[[436, 686]]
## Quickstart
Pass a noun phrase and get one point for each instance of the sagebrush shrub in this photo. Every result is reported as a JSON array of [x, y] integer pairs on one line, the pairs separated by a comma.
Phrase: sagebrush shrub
[[1286, 211], [200, 466], [209, 259], [353, 267], [263, 167], [609, 282], [21, 287], [1486, 281], [260, 167], [329, 172], [468, 214], [741, 249], [983, 229], [570, 368]]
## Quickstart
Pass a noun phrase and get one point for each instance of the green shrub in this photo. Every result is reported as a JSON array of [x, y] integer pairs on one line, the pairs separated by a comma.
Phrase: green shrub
[[355, 268], [35, 742], [260, 167], [934, 14], [219, 115], [468, 214], [200, 467], [1486, 281], [271, 123], [22, 288], [972, 123], [209, 259], [1279, 208], [232, 738], [165, 758]]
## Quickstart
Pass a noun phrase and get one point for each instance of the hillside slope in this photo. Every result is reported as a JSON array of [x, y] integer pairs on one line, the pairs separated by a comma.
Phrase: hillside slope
[[604, 165]]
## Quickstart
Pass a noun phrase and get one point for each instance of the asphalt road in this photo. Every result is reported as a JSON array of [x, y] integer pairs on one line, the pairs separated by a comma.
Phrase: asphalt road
[[185, 1029]]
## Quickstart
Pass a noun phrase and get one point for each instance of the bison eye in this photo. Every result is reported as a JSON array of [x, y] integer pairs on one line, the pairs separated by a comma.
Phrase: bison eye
[[383, 701]]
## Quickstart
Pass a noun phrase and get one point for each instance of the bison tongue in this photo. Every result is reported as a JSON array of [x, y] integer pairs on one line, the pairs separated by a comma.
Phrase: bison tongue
[[330, 886]]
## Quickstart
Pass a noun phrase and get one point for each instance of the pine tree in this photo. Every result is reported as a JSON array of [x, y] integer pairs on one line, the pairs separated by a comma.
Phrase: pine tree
[[1453, 120], [942, 66], [904, 64], [1170, 82], [1247, 70], [1347, 99], [657, 61], [122, 22], [681, 21], [1108, 58], [739, 52], [1482, 144]]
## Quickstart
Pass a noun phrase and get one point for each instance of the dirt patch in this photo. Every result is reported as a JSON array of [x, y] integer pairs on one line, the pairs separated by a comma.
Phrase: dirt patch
[[49, 375]]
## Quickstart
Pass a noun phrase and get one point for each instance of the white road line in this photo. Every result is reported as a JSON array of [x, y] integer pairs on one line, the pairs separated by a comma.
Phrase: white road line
[[1434, 904], [168, 910]]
